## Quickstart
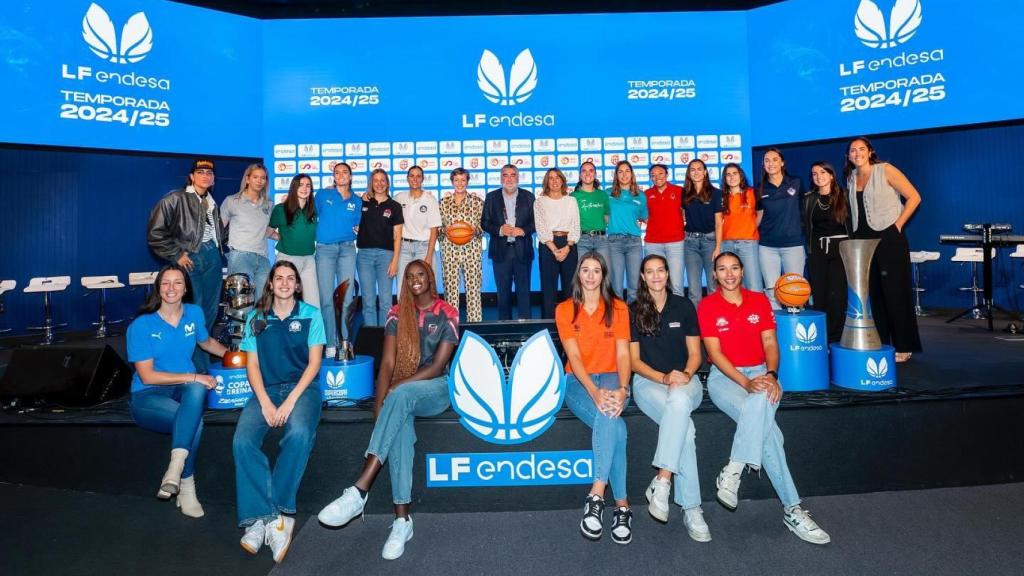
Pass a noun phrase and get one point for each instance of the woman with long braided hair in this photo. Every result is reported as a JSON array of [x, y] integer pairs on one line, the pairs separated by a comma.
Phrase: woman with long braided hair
[[420, 335]]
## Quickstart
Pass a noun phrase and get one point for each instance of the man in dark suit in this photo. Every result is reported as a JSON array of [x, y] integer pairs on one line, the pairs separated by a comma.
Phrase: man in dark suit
[[508, 218]]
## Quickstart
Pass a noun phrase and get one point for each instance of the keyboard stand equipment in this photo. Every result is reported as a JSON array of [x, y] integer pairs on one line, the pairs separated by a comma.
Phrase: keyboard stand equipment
[[988, 244]]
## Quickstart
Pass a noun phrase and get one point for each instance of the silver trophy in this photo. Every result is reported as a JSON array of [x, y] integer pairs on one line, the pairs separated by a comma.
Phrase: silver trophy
[[859, 333], [238, 301]]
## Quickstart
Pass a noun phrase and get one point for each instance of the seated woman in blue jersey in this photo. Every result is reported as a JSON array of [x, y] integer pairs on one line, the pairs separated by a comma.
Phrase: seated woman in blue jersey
[[284, 340], [738, 329], [665, 355], [420, 335], [167, 394]]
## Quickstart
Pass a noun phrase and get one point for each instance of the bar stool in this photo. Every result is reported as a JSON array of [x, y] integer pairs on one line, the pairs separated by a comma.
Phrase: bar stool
[[974, 256], [47, 284], [5, 286], [917, 258], [143, 279], [102, 283]]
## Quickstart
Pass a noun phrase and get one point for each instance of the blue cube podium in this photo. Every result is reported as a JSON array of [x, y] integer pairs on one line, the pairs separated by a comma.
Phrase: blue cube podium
[[232, 390], [803, 350], [346, 382], [864, 370]]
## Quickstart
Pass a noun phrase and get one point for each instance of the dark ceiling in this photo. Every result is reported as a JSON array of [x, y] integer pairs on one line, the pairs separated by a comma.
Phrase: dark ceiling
[[269, 9]]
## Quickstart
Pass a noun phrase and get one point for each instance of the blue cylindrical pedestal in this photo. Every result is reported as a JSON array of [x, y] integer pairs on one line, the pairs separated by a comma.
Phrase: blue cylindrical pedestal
[[232, 390], [864, 370], [346, 381], [803, 356]]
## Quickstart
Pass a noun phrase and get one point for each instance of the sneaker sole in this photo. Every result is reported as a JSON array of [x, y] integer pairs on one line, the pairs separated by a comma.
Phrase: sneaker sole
[[808, 540], [698, 537], [586, 534], [252, 551], [622, 541], [655, 513], [384, 556], [283, 553], [727, 505], [166, 491], [336, 526]]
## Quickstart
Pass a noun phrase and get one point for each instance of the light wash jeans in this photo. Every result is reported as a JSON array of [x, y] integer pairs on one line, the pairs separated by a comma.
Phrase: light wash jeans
[[697, 251], [790, 260], [263, 493], [673, 252], [335, 263], [608, 435], [176, 410], [758, 440], [255, 265], [593, 243], [207, 277], [747, 251], [306, 265], [625, 254], [375, 284], [677, 446], [394, 435], [416, 250]]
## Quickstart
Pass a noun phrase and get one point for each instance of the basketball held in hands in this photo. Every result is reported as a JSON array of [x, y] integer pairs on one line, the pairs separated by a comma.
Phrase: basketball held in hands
[[460, 233]]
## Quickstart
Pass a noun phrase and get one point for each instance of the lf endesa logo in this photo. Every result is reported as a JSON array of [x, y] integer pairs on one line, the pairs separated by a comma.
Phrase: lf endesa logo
[[507, 91], [874, 30], [132, 45], [507, 411]]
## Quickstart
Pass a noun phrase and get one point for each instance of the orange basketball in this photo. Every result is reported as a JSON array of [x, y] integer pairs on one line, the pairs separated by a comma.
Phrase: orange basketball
[[460, 232], [235, 359], [792, 290]]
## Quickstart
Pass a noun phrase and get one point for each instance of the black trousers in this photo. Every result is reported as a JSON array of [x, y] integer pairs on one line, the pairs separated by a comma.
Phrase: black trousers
[[551, 272], [891, 291], [827, 275], [509, 271]]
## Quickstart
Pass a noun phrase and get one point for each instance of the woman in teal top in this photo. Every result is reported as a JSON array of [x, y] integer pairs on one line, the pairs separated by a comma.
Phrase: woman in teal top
[[628, 208], [294, 222]]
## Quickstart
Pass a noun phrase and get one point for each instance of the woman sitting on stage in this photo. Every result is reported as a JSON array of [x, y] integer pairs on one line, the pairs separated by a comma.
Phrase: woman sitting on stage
[[284, 340], [665, 354], [738, 328], [167, 394], [594, 329], [421, 333]]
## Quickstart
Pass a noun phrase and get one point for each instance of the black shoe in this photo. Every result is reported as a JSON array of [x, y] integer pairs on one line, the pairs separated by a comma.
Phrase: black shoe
[[622, 525], [593, 518]]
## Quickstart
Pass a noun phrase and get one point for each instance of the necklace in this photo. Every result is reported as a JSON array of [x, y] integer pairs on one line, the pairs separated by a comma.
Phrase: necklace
[[826, 206]]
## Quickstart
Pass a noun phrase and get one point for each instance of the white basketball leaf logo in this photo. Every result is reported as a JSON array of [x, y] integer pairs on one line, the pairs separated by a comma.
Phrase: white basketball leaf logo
[[504, 411], [490, 77], [98, 32], [806, 334], [869, 23], [335, 380], [878, 369]]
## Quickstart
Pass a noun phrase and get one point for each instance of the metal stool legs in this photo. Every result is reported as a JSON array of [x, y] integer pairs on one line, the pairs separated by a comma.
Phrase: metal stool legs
[[974, 290], [49, 327], [918, 310]]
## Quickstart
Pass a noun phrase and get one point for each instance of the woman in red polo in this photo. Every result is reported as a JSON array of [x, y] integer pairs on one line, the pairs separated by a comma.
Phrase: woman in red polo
[[594, 329]]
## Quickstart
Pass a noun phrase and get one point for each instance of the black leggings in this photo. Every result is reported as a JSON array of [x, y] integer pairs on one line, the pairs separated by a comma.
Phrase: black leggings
[[827, 277], [892, 297]]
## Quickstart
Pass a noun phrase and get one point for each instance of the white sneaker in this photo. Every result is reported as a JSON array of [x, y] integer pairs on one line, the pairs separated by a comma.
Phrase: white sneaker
[[799, 522], [728, 484], [343, 509], [254, 537], [279, 536], [330, 352], [657, 498], [696, 527], [401, 532]]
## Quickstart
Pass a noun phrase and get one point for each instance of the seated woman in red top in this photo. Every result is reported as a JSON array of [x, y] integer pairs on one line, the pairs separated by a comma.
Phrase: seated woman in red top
[[594, 329], [738, 328]]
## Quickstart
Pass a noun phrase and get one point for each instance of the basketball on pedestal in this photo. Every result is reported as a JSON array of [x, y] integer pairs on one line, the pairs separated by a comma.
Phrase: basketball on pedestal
[[460, 232], [792, 290], [235, 359]]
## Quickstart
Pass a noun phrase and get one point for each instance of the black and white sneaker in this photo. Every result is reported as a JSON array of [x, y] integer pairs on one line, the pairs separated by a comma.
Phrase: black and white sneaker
[[622, 525], [593, 518]]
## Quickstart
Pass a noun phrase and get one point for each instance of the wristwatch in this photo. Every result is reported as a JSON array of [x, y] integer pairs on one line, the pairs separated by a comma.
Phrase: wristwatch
[[773, 374]]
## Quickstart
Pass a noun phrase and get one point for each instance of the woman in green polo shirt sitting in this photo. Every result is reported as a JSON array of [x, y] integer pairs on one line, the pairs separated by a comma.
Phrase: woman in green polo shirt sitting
[[294, 224]]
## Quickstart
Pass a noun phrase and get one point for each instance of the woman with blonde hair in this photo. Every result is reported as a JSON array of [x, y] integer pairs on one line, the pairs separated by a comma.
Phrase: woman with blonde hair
[[246, 216]]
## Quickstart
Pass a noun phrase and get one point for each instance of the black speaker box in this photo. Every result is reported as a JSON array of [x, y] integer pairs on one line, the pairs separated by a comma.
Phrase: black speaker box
[[66, 375]]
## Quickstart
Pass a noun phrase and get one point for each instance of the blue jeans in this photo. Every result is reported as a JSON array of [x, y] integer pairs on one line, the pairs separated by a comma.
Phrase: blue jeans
[[608, 435], [625, 253], [263, 494], [677, 447], [335, 263], [257, 266], [673, 253], [758, 440], [207, 276], [375, 284], [697, 251], [747, 251], [394, 435], [593, 243], [412, 250], [176, 410], [789, 260]]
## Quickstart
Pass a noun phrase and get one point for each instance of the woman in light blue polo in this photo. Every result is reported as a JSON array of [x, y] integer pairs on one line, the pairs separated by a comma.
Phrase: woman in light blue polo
[[338, 209], [167, 394], [628, 209], [284, 340]]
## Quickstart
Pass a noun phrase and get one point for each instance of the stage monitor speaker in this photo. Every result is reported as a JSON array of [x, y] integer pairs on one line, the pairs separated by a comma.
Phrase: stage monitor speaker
[[66, 375]]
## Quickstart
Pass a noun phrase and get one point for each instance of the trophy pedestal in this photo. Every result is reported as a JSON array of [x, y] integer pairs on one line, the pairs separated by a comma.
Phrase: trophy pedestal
[[232, 390], [864, 370], [346, 382], [803, 353]]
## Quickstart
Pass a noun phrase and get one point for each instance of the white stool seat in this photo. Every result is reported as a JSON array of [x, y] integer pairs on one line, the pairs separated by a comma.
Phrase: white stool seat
[[920, 257], [1019, 252], [48, 284], [970, 255], [141, 278], [8, 285], [100, 282]]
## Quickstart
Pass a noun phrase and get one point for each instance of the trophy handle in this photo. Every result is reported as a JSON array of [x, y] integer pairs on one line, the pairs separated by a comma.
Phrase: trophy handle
[[339, 308]]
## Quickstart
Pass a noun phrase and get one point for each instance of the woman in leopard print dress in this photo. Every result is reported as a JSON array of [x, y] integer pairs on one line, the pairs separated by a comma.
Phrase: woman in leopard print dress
[[467, 207]]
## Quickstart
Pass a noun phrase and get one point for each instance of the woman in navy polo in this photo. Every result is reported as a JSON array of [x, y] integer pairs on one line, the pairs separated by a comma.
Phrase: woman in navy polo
[[379, 241], [702, 202], [420, 336], [167, 394], [284, 340], [781, 248]]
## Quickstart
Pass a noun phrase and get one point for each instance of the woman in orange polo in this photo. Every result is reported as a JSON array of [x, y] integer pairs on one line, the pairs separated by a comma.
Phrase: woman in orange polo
[[594, 329], [736, 224]]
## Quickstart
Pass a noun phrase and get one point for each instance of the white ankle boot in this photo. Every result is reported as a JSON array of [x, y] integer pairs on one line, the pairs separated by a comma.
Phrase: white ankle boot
[[187, 500], [172, 478]]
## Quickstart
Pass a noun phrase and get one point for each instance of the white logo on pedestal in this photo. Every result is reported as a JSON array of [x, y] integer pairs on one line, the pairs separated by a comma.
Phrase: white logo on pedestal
[[878, 369], [869, 23], [522, 80], [806, 334], [98, 32]]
